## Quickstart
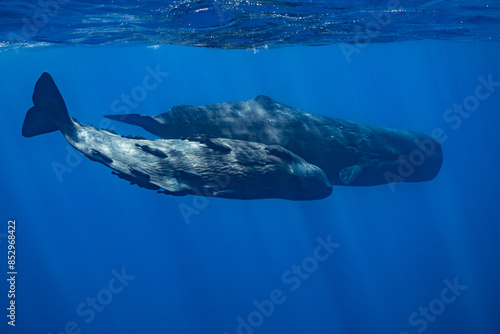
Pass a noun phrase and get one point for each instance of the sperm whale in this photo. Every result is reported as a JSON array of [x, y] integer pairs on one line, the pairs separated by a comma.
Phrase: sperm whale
[[213, 167], [350, 153]]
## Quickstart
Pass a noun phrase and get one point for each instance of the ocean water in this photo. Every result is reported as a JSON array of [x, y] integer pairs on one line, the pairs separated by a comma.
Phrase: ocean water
[[97, 255]]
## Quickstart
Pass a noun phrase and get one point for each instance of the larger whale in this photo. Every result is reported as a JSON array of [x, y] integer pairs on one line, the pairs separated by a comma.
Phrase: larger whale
[[350, 153], [212, 167]]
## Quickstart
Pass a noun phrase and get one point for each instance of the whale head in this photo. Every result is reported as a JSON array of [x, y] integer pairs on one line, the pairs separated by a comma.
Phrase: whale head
[[406, 157]]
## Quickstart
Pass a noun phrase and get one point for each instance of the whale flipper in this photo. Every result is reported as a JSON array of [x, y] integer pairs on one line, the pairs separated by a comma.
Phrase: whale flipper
[[349, 174]]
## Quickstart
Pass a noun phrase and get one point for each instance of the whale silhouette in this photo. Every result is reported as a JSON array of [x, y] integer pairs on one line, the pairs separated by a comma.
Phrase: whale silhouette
[[350, 153], [213, 167]]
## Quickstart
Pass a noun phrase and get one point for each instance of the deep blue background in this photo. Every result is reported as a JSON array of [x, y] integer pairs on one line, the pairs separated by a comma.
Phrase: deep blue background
[[396, 249]]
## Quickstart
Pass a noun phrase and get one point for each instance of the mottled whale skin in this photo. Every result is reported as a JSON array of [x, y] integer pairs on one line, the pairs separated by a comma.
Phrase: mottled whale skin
[[350, 153], [215, 167]]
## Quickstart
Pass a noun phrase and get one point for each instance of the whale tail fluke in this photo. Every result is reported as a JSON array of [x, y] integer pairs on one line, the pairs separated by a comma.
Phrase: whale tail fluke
[[49, 112], [148, 123], [134, 119]]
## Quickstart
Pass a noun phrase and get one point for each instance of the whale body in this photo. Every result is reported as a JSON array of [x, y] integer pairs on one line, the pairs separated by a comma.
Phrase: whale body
[[213, 167], [350, 153]]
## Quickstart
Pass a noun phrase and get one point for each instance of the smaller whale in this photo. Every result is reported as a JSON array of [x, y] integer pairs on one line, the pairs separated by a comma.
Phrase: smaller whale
[[212, 167]]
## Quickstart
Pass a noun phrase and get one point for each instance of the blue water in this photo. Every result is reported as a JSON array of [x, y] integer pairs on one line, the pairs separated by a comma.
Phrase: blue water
[[396, 249], [244, 23]]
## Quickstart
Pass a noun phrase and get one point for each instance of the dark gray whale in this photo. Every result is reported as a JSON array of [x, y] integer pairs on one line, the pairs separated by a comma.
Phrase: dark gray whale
[[349, 153], [215, 167]]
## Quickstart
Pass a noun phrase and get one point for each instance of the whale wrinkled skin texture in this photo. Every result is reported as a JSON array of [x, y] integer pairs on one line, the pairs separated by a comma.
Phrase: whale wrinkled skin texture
[[350, 153], [213, 167]]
